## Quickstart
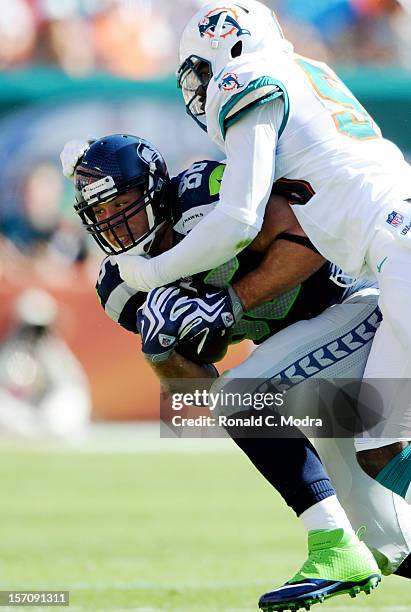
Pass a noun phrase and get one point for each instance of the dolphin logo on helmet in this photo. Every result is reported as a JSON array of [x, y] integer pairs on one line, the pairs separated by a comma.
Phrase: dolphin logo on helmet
[[208, 24]]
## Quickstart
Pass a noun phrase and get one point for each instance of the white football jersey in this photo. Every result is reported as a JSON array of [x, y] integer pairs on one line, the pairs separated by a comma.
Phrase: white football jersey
[[328, 147]]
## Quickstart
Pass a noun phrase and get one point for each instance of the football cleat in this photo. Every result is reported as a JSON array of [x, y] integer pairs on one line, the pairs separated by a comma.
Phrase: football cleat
[[338, 563]]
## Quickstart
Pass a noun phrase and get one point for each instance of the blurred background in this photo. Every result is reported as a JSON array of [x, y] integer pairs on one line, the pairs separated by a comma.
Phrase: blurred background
[[80, 68]]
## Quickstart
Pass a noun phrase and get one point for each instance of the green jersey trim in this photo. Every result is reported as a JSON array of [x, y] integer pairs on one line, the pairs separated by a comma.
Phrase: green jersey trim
[[255, 324], [278, 308], [215, 178], [223, 274]]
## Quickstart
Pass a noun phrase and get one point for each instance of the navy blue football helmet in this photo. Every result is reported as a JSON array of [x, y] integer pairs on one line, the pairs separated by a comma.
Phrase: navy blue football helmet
[[113, 166]]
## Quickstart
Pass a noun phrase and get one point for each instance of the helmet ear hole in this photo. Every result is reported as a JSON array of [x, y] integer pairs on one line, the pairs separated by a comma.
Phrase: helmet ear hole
[[237, 50]]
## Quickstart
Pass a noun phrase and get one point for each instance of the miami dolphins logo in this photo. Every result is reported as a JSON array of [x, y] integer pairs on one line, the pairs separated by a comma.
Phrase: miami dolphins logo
[[229, 82], [231, 26]]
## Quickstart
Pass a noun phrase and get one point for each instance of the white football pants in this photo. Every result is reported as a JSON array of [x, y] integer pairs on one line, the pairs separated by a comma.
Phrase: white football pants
[[389, 259], [386, 515]]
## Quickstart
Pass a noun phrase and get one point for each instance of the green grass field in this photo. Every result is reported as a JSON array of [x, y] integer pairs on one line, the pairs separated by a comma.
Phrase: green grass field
[[183, 532]]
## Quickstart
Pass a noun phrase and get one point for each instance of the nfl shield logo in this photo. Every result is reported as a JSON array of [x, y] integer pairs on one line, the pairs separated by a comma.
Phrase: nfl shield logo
[[228, 319], [395, 219], [166, 340]]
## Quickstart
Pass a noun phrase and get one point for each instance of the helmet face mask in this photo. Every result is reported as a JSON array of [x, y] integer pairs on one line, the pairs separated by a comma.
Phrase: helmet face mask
[[121, 185], [125, 228], [193, 78]]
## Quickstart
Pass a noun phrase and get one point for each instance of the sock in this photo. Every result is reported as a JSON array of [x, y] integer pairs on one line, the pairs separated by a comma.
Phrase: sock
[[326, 514], [292, 466], [405, 568], [396, 475]]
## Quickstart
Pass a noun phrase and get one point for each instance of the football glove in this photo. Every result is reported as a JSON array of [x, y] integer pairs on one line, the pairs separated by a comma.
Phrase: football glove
[[203, 334], [171, 317], [158, 323], [71, 154]]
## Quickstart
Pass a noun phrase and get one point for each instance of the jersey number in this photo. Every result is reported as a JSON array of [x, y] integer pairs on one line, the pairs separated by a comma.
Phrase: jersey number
[[192, 179], [353, 120]]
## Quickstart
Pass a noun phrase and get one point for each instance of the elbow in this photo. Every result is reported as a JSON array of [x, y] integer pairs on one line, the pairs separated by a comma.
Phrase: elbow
[[228, 234], [243, 235]]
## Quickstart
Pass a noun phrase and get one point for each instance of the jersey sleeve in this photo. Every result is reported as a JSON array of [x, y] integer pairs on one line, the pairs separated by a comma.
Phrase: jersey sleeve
[[238, 89], [120, 302]]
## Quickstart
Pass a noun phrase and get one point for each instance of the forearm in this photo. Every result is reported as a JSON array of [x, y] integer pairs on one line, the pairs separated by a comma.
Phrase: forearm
[[215, 240], [178, 366], [284, 266]]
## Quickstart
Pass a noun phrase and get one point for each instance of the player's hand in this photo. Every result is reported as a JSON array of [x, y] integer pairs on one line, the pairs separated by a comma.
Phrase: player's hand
[[132, 268], [159, 320], [71, 154], [211, 313], [171, 316]]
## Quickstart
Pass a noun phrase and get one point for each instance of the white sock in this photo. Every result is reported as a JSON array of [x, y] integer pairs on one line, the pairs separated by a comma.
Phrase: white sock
[[326, 514]]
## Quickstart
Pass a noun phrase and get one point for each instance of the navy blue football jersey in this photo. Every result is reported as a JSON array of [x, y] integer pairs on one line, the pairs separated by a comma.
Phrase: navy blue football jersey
[[193, 194]]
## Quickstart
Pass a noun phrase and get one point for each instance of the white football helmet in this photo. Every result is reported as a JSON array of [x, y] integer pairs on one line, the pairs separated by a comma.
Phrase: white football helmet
[[217, 33]]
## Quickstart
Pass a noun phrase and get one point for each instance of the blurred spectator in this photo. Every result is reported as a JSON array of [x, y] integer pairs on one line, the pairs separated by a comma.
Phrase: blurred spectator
[[42, 194], [43, 388], [353, 31], [309, 42], [371, 37], [17, 33], [67, 43], [139, 38], [134, 43], [44, 224], [401, 24]]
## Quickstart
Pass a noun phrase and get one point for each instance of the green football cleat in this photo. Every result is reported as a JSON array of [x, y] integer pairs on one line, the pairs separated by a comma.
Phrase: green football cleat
[[338, 563]]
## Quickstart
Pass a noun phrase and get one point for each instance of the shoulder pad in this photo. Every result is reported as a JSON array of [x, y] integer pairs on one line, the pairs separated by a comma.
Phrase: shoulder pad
[[120, 302], [240, 87], [196, 192]]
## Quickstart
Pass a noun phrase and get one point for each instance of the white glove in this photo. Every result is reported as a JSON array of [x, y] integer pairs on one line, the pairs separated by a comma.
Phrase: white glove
[[71, 154], [132, 269]]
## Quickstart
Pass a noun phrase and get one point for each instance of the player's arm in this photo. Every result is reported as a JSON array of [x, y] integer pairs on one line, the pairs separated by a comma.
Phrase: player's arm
[[178, 366], [285, 265], [177, 369], [289, 257], [236, 221]]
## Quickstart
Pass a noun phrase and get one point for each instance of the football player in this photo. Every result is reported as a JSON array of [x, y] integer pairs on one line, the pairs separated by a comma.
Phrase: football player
[[112, 211], [277, 115]]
